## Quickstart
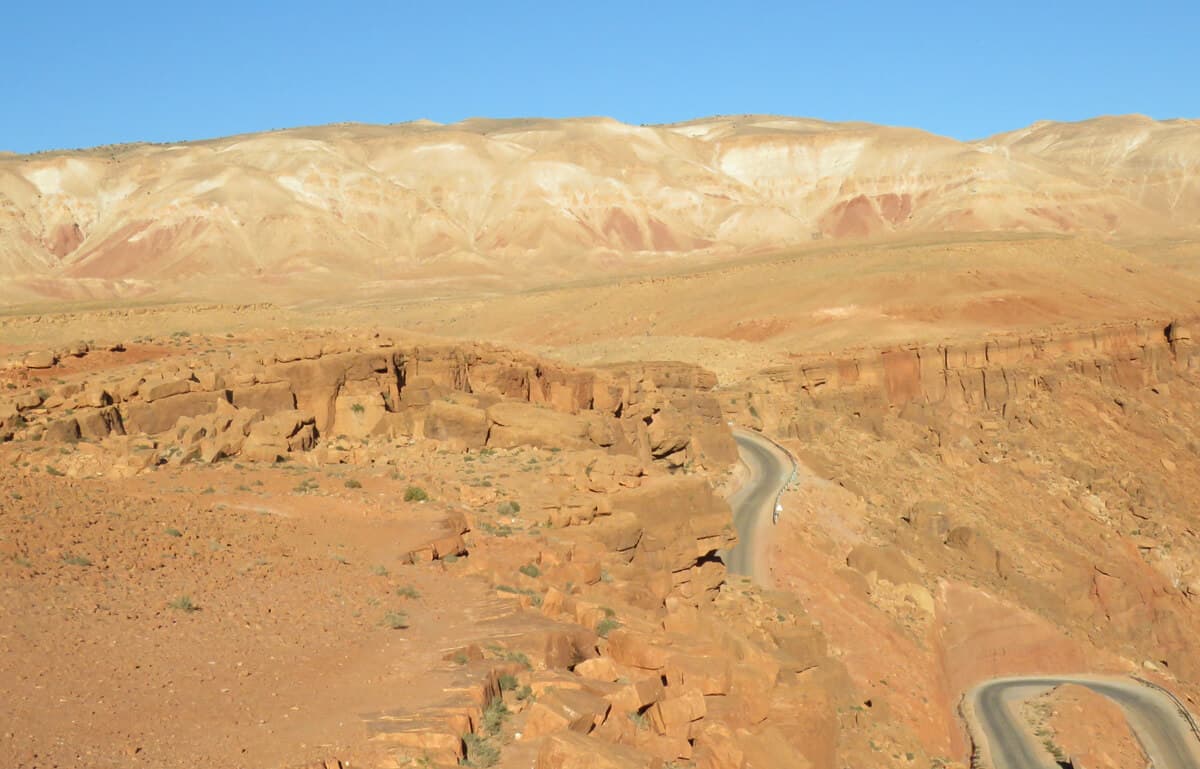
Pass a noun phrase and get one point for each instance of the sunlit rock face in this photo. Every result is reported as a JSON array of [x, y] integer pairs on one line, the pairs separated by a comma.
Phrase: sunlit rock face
[[317, 210]]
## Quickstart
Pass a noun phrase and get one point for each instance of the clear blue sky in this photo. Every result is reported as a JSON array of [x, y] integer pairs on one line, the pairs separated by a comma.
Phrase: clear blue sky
[[84, 73]]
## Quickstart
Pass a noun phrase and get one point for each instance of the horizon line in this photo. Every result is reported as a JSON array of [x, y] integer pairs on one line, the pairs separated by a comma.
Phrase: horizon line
[[580, 118]]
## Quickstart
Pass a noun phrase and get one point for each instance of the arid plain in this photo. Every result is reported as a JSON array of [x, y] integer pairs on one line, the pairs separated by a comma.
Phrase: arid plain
[[410, 445]]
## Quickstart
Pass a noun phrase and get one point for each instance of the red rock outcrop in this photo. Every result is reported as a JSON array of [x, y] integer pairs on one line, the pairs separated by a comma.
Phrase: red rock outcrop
[[267, 405], [989, 376]]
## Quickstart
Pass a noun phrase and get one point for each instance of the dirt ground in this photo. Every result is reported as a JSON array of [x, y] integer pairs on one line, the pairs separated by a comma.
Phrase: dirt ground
[[216, 618]]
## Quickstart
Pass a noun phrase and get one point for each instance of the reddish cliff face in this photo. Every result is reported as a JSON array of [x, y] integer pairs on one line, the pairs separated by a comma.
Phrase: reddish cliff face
[[988, 376]]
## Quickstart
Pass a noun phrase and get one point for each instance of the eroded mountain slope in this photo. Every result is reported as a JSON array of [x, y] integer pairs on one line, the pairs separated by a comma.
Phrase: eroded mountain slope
[[501, 203]]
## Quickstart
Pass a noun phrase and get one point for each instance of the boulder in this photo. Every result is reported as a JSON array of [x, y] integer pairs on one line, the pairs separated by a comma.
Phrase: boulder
[[399, 424], [635, 696], [562, 389], [266, 398], [571, 750], [190, 430], [421, 391], [598, 669], [357, 416], [262, 447], [78, 348], [716, 747], [670, 502], [464, 425], [163, 388], [126, 389], [708, 674], [10, 422], [303, 439], [162, 414], [523, 424], [667, 433], [272, 438], [605, 473], [560, 710], [635, 649], [226, 444], [209, 379], [433, 739], [674, 716], [27, 400], [241, 420], [886, 563], [978, 549], [40, 359], [671, 749], [605, 431], [504, 380], [65, 430], [94, 396], [97, 424], [574, 511], [684, 522], [544, 681], [318, 381], [713, 445], [804, 647], [283, 424], [620, 532], [929, 518]]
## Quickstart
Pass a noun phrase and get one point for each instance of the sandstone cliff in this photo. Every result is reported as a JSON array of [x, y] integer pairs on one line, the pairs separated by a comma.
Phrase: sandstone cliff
[[267, 404]]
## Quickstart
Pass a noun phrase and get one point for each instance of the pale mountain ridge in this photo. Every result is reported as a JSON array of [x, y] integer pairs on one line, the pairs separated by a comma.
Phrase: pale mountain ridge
[[526, 201]]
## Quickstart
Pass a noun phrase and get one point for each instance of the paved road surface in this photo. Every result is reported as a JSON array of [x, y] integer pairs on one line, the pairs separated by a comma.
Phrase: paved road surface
[[753, 504], [1165, 735]]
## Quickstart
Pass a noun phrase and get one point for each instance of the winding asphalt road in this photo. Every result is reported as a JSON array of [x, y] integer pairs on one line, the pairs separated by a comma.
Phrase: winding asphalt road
[[1165, 735], [754, 503]]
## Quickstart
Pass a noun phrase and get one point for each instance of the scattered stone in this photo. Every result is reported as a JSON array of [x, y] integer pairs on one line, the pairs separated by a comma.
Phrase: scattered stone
[[41, 359]]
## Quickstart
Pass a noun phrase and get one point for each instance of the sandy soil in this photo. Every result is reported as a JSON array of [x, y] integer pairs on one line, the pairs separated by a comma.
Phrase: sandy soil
[[288, 642]]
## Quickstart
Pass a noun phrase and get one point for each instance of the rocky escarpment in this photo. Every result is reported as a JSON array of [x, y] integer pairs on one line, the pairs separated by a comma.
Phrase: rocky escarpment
[[266, 405], [635, 651], [989, 376]]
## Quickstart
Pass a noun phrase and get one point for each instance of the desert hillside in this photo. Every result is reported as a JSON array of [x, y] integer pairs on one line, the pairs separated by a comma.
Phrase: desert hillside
[[425, 208], [745, 443]]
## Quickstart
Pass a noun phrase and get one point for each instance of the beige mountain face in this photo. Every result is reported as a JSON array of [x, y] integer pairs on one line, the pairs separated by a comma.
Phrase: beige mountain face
[[422, 207]]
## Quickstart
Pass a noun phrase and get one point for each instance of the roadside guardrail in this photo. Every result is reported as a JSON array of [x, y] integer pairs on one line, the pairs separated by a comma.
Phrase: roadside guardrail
[[791, 478], [1183, 711]]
